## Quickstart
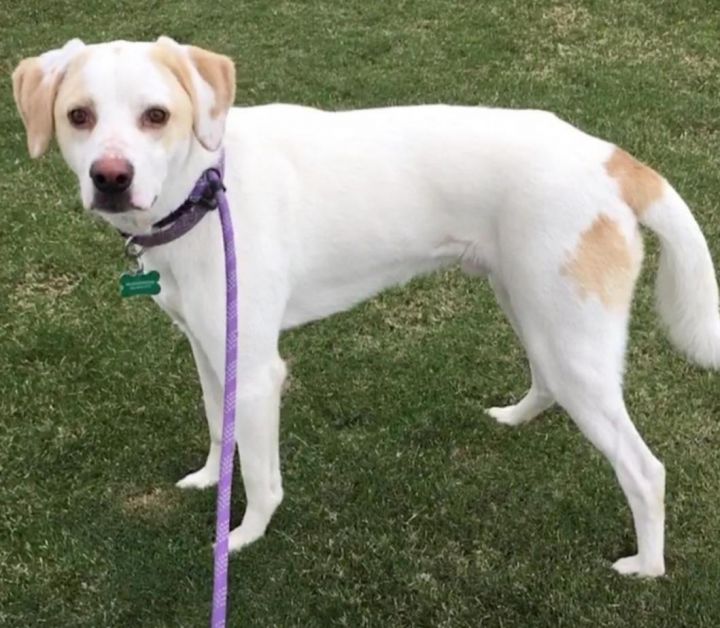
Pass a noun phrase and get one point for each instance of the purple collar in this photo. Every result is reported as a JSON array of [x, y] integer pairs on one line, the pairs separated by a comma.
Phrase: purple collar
[[202, 199]]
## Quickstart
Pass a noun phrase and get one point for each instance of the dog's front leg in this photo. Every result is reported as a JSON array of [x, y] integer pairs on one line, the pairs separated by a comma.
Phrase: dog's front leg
[[257, 422], [260, 376], [212, 402], [257, 434]]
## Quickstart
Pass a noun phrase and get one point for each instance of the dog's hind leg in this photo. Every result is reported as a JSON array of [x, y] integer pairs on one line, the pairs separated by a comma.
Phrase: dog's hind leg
[[583, 369], [538, 398], [583, 343], [600, 413]]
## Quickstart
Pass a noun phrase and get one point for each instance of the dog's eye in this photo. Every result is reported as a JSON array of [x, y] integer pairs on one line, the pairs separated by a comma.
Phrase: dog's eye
[[155, 116], [80, 117]]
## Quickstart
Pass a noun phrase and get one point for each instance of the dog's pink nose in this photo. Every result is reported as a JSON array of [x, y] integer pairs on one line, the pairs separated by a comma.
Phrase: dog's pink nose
[[111, 175]]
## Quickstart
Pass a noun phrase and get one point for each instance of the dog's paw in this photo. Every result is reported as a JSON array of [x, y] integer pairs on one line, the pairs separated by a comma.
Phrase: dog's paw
[[255, 521], [244, 535], [203, 478], [633, 566], [508, 415]]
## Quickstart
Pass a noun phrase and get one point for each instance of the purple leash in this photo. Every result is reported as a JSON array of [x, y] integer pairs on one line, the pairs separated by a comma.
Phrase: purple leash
[[207, 194], [222, 526]]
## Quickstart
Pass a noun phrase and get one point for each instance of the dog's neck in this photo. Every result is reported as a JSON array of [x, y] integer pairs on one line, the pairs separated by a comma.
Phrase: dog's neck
[[176, 189]]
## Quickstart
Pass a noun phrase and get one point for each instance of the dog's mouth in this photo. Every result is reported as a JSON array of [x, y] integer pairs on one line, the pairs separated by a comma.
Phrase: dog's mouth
[[116, 203], [113, 203]]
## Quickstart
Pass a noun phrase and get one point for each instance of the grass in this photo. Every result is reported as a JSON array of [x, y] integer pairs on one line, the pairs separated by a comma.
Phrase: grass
[[404, 506]]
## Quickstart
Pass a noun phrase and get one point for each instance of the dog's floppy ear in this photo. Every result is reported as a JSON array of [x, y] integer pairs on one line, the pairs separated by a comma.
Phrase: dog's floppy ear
[[35, 85], [209, 80]]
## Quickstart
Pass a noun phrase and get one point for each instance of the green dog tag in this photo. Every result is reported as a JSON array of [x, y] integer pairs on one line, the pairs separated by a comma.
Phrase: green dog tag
[[138, 284]]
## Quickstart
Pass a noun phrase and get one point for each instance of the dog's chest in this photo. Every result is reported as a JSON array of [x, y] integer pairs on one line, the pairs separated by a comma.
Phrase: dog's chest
[[169, 298]]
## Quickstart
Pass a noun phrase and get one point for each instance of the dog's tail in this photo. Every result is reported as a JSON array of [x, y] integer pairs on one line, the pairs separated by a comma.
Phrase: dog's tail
[[686, 288]]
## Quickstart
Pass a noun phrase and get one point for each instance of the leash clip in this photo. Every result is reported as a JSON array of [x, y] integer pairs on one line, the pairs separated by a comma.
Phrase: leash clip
[[133, 252]]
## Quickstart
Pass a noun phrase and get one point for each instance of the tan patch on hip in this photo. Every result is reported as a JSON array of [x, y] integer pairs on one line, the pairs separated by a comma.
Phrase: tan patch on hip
[[640, 185], [604, 264]]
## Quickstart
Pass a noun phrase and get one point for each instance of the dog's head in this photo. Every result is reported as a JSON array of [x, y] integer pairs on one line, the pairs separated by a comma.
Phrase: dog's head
[[126, 116]]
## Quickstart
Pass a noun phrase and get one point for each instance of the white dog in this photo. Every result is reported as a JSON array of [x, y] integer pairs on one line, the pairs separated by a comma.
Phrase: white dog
[[330, 208]]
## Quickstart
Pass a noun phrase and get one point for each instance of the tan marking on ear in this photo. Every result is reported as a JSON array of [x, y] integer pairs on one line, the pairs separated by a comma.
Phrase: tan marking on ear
[[181, 120], [168, 57], [219, 72], [640, 185], [34, 93], [604, 264]]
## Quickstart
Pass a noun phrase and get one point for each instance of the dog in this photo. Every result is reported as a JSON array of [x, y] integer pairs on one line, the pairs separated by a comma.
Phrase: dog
[[332, 207]]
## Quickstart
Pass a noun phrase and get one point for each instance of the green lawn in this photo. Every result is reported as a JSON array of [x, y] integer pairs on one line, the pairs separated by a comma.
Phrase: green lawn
[[405, 505]]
